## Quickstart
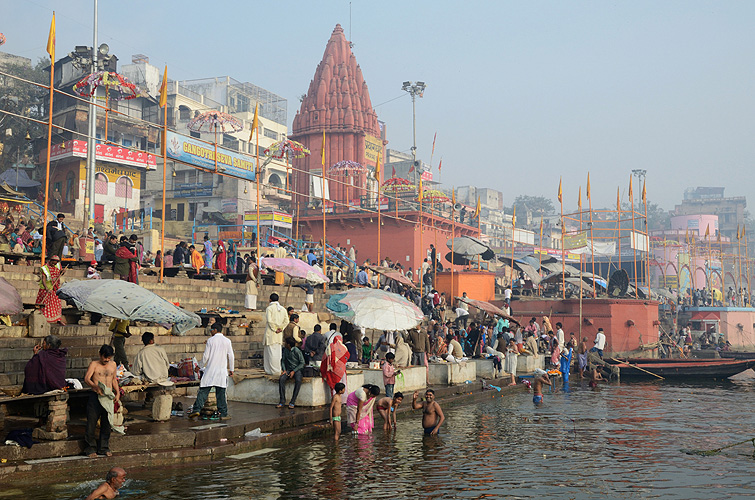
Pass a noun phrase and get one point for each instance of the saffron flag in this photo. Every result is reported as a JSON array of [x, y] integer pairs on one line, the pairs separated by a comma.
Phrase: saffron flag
[[686, 235], [377, 169], [453, 197], [737, 231], [618, 201], [433, 151], [440, 164], [588, 185], [255, 121], [644, 193], [707, 231], [541, 227], [393, 174], [323, 153], [164, 89], [411, 169], [513, 219], [420, 190], [579, 199], [51, 39], [560, 192], [631, 195], [477, 209]]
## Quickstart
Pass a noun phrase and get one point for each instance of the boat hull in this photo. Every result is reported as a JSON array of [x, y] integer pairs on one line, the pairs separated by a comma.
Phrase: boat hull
[[684, 368]]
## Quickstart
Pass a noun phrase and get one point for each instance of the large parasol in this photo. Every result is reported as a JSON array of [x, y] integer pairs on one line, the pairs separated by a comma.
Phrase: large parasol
[[214, 121], [124, 300], [295, 268], [488, 308], [286, 149], [397, 184], [10, 300], [347, 167], [394, 275], [434, 196], [469, 246], [117, 87], [376, 309]]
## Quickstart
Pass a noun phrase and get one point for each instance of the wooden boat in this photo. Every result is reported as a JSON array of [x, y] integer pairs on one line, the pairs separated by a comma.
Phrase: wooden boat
[[682, 368], [737, 354]]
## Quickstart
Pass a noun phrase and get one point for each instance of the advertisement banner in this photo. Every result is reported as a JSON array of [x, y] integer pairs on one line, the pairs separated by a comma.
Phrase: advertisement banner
[[371, 147], [278, 219], [104, 152], [200, 154], [578, 240]]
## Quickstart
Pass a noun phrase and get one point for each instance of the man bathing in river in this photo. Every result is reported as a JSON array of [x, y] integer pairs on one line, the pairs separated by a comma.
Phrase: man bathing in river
[[541, 378], [432, 415], [100, 377], [109, 489]]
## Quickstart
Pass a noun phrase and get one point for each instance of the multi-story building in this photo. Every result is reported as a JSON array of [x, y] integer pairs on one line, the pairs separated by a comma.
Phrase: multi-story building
[[711, 201]]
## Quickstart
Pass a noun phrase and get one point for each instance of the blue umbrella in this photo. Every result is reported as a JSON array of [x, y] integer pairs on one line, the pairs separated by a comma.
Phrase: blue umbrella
[[124, 300]]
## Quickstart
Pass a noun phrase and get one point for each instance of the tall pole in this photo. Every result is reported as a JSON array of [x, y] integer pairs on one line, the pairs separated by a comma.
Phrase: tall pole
[[258, 174], [739, 258], [647, 235], [49, 145], [91, 140], [634, 240], [453, 236], [747, 265], [723, 267], [563, 253], [380, 214], [416, 89], [165, 170], [513, 230], [618, 225], [710, 262], [592, 240], [540, 255]]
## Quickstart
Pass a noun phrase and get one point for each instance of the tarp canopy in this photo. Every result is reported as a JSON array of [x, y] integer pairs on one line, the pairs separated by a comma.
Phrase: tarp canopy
[[9, 177]]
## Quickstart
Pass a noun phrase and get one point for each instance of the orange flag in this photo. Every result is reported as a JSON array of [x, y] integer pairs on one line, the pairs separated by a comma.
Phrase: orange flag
[[588, 185], [256, 121], [644, 193], [579, 200], [560, 192], [618, 201], [51, 39], [737, 231], [164, 89], [631, 194], [707, 231]]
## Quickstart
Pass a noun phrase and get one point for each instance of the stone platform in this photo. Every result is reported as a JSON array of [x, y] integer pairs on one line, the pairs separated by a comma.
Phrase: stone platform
[[452, 373], [262, 388], [415, 379], [484, 368]]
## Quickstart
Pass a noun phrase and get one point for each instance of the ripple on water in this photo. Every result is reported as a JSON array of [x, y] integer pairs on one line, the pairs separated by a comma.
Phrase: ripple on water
[[620, 441]]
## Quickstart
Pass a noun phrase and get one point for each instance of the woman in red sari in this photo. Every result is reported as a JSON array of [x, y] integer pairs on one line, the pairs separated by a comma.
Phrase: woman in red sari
[[49, 283], [333, 365], [221, 259]]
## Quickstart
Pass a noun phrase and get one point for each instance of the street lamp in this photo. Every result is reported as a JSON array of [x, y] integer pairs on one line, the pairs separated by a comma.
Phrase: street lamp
[[415, 89]]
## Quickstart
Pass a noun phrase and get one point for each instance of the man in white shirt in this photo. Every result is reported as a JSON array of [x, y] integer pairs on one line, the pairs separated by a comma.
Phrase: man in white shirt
[[277, 319], [507, 294], [462, 316], [217, 365], [600, 343], [151, 363], [560, 336]]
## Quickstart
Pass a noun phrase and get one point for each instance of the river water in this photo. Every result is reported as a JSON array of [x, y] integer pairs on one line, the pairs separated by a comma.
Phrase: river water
[[616, 441]]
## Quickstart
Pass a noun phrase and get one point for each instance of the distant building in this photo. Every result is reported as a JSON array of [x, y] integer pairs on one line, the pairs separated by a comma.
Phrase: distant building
[[711, 201]]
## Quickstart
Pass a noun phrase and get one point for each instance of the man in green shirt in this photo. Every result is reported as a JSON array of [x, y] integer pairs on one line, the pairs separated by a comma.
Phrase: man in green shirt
[[292, 363]]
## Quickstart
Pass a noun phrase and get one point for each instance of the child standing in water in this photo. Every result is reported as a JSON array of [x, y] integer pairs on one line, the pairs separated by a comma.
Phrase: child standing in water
[[335, 409]]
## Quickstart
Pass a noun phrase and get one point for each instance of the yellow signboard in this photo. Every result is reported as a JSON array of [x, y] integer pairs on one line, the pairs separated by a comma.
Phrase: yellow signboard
[[113, 173], [372, 145], [268, 217], [578, 240]]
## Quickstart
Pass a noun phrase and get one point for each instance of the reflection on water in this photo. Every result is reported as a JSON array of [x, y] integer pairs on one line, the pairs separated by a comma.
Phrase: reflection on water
[[618, 441]]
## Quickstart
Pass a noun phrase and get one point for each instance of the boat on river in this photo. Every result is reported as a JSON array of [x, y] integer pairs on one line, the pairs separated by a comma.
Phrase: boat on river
[[681, 368], [737, 354]]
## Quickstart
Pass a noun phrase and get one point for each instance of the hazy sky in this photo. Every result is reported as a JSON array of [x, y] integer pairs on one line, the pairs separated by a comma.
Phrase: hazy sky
[[519, 93]]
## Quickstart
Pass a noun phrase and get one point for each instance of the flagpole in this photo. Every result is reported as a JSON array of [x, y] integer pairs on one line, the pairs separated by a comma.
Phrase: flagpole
[[592, 240], [540, 256], [259, 174], [563, 253], [51, 44], [453, 236], [618, 226], [692, 261], [747, 264], [647, 233], [710, 263], [380, 216], [633, 239], [421, 231], [739, 254], [165, 169], [513, 230], [723, 267]]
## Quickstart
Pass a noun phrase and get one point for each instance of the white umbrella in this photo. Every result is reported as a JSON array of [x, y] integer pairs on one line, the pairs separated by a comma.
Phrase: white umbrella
[[376, 309]]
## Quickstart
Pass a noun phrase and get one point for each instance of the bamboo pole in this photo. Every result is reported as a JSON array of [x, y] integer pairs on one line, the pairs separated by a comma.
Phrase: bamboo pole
[[638, 368], [49, 146], [165, 177], [540, 257], [592, 241], [513, 243], [618, 225], [633, 239], [259, 174], [563, 254], [380, 216]]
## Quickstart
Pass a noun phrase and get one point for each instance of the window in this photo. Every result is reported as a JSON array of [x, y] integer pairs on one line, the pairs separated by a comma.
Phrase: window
[[127, 143], [180, 212], [192, 210], [124, 188], [275, 180], [271, 134], [70, 182], [184, 113], [196, 135], [100, 184]]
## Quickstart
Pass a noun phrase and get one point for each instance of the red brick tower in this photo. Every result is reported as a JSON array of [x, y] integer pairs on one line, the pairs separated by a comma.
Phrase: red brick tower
[[337, 103]]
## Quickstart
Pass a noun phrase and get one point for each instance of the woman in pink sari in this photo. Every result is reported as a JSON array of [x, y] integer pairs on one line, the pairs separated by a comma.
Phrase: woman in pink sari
[[359, 406]]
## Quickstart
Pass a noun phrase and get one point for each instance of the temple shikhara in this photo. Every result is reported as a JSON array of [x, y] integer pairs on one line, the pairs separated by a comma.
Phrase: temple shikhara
[[338, 104]]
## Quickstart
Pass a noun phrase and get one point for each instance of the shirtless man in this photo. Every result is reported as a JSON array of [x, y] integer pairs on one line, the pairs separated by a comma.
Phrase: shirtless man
[[387, 408], [432, 415], [109, 489], [595, 375], [541, 378], [100, 373], [335, 409]]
